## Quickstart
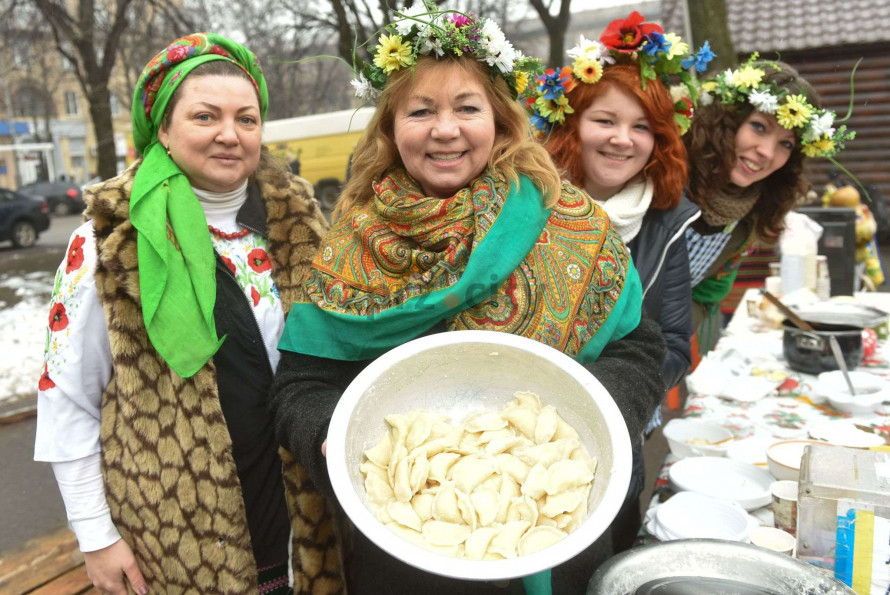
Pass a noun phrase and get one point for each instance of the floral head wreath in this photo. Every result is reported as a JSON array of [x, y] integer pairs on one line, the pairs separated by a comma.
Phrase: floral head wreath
[[813, 126], [425, 30], [629, 40]]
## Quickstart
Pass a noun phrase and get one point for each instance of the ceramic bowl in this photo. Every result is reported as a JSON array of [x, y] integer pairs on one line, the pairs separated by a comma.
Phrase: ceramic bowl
[[784, 458], [457, 373], [871, 391], [691, 438]]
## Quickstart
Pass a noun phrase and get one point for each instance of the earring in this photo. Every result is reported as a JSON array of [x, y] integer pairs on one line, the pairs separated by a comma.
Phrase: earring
[[168, 150]]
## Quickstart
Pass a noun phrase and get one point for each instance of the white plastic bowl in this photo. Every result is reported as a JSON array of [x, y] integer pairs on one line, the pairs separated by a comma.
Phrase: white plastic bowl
[[724, 479], [784, 458], [690, 515], [871, 391], [457, 373], [684, 436]]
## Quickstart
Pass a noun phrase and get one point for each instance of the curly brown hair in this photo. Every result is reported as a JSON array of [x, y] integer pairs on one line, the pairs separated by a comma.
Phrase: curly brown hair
[[710, 144], [667, 165]]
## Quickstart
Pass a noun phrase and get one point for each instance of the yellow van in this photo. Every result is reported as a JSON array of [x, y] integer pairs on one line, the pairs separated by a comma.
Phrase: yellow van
[[318, 147]]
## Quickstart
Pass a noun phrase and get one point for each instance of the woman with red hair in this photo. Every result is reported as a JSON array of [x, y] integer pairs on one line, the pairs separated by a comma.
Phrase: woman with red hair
[[617, 137]]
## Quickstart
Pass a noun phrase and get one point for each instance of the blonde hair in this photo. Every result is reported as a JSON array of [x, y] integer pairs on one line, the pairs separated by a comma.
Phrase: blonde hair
[[515, 149]]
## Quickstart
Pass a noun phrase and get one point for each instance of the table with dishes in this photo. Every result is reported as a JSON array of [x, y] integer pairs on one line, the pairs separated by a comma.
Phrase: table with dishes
[[744, 401]]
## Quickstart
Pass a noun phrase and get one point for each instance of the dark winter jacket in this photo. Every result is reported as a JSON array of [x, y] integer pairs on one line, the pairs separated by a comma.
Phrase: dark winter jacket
[[659, 253]]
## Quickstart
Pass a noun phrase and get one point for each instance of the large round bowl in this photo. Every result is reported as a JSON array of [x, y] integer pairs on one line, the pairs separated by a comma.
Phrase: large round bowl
[[457, 373]]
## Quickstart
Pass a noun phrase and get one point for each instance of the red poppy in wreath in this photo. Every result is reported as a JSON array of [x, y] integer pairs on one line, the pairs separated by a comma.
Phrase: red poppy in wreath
[[58, 318], [259, 260], [45, 382], [684, 107], [75, 254], [626, 35]]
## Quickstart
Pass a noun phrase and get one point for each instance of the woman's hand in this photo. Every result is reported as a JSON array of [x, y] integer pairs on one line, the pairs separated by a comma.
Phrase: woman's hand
[[324, 448], [108, 567]]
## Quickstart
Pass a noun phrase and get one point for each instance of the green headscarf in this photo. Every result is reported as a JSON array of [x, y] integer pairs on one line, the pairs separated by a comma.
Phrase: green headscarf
[[177, 273]]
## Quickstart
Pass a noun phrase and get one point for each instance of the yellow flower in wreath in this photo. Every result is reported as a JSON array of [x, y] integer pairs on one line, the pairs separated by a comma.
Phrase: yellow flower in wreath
[[392, 53], [589, 71], [821, 147], [795, 112]]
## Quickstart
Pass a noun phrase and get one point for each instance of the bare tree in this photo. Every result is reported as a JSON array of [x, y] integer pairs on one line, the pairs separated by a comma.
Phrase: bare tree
[[556, 26], [708, 22], [89, 36]]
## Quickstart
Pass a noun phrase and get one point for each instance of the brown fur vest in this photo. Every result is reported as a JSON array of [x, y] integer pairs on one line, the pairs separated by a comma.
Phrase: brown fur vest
[[170, 476]]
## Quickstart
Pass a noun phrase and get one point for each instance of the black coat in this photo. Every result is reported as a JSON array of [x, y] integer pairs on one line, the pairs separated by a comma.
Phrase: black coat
[[660, 256]]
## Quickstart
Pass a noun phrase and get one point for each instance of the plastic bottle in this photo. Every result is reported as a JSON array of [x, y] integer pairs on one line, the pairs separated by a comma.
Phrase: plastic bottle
[[823, 280]]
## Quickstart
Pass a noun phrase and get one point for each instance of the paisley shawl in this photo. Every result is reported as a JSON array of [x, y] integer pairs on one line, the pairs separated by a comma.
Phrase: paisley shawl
[[490, 257]]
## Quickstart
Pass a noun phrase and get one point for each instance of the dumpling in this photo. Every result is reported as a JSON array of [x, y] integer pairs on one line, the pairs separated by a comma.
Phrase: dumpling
[[443, 533], [509, 490], [405, 533], [512, 466], [420, 470], [565, 502], [523, 508], [485, 501], [419, 431], [501, 444], [507, 539], [432, 447], [401, 483], [567, 474], [467, 509], [579, 454], [535, 484], [381, 452], [523, 419], [470, 471], [404, 514], [484, 421], [440, 464], [445, 506], [423, 505], [546, 454], [545, 427], [399, 424], [476, 544], [537, 538], [378, 489], [564, 430], [530, 400]]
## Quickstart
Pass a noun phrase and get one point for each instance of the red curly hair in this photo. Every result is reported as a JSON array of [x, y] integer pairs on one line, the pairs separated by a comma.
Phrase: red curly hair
[[667, 165]]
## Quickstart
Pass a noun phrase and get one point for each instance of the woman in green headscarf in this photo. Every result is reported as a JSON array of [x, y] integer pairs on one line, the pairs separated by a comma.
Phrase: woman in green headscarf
[[162, 342]]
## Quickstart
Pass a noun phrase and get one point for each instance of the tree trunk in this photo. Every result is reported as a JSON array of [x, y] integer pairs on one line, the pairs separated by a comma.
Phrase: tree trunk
[[707, 21], [103, 126]]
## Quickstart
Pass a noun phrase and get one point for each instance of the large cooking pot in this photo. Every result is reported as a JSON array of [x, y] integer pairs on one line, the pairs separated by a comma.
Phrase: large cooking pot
[[709, 566], [810, 351]]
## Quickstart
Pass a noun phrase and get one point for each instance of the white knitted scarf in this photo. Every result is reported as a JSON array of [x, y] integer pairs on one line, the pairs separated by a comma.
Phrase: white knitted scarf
[[627, 207]]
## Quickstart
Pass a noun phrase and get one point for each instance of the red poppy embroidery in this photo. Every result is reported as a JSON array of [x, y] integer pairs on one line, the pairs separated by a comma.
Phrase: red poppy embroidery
[[626, 35], [58, 318], [259, 260], [229, 264], [45, 382], [75, 254], [215, 49], [255, 295]]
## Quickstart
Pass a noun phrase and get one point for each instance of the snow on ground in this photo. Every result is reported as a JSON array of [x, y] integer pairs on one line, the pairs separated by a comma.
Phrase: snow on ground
[[23, 328]]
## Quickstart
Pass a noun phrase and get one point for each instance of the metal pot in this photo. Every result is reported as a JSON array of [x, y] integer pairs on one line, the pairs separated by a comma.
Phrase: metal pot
[[810, 352], [707, 566]]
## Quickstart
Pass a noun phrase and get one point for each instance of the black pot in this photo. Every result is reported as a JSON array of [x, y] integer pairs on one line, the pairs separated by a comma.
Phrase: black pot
[[810, 352]]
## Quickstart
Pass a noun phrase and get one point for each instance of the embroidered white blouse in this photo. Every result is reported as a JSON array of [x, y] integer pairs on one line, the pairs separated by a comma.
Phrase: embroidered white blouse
[[77, 365]]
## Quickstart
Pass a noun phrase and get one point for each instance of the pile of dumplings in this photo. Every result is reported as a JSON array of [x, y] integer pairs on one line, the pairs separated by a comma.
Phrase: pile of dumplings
[[502, 484]]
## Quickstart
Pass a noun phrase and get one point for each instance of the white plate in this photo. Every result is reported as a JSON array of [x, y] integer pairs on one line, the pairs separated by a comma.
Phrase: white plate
[[724, 479], [843, 433], [690, 515]]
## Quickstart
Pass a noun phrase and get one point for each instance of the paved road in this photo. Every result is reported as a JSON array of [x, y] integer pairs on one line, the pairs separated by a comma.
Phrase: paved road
[[30, 504]]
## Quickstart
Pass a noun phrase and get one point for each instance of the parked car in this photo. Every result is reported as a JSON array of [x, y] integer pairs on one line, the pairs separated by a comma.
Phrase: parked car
[[22, 218], [64, 198]]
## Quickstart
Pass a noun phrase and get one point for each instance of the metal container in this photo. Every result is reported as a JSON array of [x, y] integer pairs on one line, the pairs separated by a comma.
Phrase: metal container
[[715, 565], [457, 373], [810, 351]]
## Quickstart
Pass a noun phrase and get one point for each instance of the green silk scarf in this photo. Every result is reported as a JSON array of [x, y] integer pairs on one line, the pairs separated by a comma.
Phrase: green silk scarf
[[177, 277]]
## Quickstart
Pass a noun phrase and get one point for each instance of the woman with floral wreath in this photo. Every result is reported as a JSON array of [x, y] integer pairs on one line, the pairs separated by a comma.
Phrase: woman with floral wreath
[[455, 218], [746, 147], [619, 136], [162, 345]]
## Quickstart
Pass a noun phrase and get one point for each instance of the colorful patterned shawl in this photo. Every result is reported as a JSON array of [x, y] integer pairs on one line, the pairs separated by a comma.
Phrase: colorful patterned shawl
[[490, 257]]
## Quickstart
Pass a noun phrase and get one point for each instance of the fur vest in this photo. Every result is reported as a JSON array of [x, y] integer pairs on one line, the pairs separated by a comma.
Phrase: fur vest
[[170, 477]]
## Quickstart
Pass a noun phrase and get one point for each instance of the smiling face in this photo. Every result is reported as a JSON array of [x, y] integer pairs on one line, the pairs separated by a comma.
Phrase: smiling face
[[214, 132], [444, 128], [761, 148], [616, 141]]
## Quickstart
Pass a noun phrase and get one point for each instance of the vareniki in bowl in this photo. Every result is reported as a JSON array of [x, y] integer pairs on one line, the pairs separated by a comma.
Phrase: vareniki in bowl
[[461, 372]]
